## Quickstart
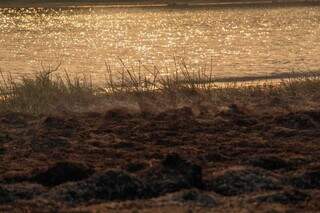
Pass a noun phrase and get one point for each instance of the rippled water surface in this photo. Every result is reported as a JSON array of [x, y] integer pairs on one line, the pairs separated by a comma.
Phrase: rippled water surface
[[238, 41]]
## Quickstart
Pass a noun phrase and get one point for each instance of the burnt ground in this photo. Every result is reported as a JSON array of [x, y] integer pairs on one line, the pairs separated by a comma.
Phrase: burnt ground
[[174, 161]]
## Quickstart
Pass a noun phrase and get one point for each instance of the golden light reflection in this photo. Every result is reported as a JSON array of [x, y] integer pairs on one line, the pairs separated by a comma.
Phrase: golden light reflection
[[240, 42]]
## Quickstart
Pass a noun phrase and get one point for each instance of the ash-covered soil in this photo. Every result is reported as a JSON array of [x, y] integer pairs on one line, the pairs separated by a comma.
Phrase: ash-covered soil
[[232, 160]]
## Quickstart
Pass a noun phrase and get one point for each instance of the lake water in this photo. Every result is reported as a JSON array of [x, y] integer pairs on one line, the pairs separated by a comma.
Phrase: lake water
[[243, 41]]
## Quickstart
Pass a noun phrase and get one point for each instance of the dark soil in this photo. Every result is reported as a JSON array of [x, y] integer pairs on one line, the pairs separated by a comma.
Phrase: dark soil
[[62, 172], [175, 161]]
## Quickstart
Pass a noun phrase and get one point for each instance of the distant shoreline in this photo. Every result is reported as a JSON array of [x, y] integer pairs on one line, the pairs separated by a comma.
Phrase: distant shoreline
[[156, 4]]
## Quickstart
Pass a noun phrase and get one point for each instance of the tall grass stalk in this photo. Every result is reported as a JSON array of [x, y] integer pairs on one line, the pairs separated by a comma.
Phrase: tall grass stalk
[[151, 88]]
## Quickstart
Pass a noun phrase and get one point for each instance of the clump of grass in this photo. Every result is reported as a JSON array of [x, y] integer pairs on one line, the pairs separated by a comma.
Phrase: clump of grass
[[199, 86], [44, 93], [151, 89]]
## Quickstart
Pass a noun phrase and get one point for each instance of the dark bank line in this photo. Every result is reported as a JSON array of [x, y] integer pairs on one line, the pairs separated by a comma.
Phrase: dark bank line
[[267, 3]]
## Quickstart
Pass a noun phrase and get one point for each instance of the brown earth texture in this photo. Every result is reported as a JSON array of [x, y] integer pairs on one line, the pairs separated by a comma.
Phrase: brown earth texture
[[232, 160]]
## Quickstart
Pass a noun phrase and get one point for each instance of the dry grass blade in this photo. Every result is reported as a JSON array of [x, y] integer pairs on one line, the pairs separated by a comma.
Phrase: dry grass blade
[[47, 90]]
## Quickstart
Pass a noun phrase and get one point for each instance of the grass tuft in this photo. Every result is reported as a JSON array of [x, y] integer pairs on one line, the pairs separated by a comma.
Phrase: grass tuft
[[153, 90]]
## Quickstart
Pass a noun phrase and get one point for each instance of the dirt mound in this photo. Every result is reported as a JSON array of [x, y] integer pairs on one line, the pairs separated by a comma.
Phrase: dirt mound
[[307, 180], [315, 115], [17, 120], [135, 166], [298, 120], [62, 172], [25, 190], [108, 185], [283, 197], [231, 110], [237, 115], [181, 119], [117, 114], [233, 161], [49, 142], [14, 177], [269, 162], [59, 122], [238, 181], [5, 196], [216, 157], [4, 137], [2, 151], [174, 173], [191, 171], [181, 113], [196, 197], [283, 132]]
